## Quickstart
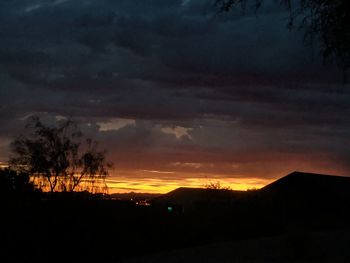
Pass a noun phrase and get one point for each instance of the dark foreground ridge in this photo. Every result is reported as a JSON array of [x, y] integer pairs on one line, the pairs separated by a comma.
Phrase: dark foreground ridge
[[300, 217]]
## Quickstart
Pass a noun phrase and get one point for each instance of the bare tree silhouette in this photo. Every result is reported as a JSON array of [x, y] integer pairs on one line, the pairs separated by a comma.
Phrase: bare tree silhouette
[[216, 186], [59, 158]]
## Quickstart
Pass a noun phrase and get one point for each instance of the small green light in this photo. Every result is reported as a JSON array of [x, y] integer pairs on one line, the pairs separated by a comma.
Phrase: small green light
[[170, 209]]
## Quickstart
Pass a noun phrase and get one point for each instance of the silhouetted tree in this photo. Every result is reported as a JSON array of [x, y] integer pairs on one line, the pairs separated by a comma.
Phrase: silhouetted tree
[[216, 186], [59, 156], [328, 20], [13, 182]]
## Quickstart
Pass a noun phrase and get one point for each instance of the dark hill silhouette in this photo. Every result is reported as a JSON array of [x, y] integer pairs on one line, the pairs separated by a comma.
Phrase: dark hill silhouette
[[187, 199], [186, 194]]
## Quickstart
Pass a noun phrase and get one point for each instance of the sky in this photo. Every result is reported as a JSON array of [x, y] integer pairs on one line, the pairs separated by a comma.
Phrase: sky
[[178, 94]]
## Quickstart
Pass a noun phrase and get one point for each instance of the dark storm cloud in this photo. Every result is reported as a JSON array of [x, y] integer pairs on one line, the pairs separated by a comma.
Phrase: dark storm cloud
[[60, 36], [54, 36], [169, 64]]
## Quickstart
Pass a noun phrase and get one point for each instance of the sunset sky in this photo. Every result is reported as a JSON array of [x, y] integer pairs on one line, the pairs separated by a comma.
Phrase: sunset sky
[[178, 94]]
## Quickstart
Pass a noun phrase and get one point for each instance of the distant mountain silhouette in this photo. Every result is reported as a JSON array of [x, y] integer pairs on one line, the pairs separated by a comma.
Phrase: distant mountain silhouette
[[190, 198]]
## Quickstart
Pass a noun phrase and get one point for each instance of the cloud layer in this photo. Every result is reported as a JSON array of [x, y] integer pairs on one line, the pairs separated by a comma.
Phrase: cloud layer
[[171, 82]]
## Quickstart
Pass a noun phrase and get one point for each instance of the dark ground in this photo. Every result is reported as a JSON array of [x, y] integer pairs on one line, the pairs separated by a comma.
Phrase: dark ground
[[320, 246], [300, 218]]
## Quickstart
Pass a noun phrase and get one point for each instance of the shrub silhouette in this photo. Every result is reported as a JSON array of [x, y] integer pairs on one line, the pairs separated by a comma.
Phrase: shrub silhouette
[[13, 183]]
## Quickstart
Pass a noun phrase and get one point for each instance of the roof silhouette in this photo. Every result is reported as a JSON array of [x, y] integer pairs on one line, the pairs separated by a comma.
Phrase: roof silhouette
[[301, 181]]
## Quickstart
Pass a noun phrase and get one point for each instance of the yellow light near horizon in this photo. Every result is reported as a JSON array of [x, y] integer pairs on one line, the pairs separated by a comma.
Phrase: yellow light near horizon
[[154, 181], [158, 185], [3, 165]]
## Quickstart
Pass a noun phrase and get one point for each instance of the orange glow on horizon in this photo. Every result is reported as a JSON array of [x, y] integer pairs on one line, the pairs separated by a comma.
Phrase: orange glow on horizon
[[158, 185]]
